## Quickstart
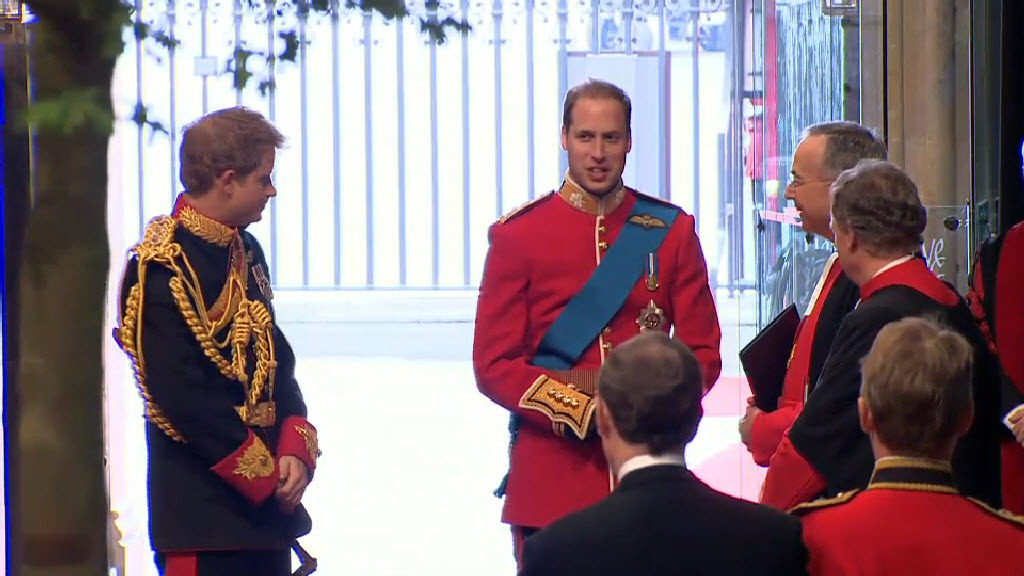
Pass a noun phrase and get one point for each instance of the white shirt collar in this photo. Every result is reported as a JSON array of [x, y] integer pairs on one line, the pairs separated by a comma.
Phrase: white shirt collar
[[821, 282], [894, 264], [647, 460]]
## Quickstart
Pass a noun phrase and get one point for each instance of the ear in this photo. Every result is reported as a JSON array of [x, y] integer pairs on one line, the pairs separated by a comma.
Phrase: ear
[[605, 425], [565, 138], [867, 423], [226, 180], [629, 142], [852, 242]]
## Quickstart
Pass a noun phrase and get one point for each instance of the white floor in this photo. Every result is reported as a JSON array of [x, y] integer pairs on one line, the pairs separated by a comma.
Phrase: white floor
[[411, 451]]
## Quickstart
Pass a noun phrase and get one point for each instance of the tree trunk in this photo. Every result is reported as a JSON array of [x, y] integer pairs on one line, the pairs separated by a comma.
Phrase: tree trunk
[[62, 519]]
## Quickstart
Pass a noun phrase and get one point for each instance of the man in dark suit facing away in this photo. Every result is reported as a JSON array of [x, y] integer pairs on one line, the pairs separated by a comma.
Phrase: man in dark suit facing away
[[660, 519]]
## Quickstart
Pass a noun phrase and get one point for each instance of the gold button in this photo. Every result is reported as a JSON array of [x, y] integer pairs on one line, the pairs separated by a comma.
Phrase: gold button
[[607, 330], [602, 245], [602, 229], [606, 345]]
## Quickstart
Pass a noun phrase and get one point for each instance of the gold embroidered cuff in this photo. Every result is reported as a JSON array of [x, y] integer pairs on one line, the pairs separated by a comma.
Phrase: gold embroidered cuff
[[560, 402], [251, 470]]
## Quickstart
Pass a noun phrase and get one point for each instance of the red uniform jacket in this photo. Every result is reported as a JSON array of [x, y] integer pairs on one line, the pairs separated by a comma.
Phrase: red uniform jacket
[[836, 298], [539, 257], [997, 281], [910, 520]]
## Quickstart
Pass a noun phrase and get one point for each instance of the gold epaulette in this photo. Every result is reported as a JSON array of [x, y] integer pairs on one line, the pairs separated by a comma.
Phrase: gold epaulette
[[562, 403], [1000, 512], [524, 208], [157, 244], [808, 507]]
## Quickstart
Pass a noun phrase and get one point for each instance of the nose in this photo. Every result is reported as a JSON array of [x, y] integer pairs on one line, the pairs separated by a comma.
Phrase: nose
[[599, 150], [789, 192], [271, 191]]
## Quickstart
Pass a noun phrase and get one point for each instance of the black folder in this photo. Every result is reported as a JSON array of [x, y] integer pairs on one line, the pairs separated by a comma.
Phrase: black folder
[[765, 357]]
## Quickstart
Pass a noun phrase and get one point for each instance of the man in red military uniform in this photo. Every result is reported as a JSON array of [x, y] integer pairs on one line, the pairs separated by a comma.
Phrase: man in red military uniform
[[915, 402], [878, 220], [826, 150], [566, 278], [230, 448], [997, 282]]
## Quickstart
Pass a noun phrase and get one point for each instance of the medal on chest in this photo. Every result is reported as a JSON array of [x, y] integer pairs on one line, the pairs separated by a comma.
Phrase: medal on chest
[[651, 317], [259, 273], [651, 278]]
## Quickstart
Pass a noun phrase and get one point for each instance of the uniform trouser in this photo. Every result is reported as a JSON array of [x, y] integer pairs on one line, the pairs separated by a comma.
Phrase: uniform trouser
[[519, 534], [225, 563]]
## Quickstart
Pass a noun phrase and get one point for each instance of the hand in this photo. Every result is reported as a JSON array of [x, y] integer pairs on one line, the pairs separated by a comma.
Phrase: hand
[[291, 482], [747, 422], [1017, 419]]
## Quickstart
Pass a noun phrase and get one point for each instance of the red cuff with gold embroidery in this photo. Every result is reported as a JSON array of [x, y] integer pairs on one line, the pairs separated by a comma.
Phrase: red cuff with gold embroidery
[[298, 438], [251, 469]]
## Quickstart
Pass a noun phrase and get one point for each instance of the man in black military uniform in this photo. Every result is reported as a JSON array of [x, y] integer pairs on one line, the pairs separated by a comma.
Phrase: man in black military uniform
[[230, 449]]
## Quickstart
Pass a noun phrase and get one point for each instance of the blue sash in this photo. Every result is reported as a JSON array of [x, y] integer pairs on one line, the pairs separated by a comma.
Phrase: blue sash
[[590, 310]]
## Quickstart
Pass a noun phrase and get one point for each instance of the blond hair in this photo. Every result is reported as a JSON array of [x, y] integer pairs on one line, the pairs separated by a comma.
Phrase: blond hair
[[916, 381]]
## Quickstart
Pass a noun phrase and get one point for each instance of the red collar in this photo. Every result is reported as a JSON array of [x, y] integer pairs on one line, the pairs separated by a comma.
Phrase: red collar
[[912, 274]]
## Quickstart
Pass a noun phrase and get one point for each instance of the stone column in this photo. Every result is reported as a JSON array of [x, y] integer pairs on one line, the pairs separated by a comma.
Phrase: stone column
[[928, 118]]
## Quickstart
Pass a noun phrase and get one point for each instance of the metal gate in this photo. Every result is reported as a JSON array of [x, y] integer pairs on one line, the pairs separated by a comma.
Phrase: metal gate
[[401, 152]]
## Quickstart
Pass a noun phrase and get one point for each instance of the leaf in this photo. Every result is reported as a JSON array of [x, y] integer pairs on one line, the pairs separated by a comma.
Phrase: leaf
[[291, 45], [141, 118], [72, 110], [237, 66]]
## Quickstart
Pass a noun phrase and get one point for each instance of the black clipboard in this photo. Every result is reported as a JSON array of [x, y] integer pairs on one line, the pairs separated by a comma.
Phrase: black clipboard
[[764, 358]]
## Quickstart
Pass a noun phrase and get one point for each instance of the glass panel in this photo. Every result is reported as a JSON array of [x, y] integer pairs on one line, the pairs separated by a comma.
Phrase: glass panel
[[803, 69], [945, 243]]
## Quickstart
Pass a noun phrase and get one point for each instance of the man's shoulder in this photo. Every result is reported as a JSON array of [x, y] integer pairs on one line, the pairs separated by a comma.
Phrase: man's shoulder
[[640, 196], [824, 506], [529, 207], [585, 528], [159, 234], [892, 303], [1011, 519], [755, 517]]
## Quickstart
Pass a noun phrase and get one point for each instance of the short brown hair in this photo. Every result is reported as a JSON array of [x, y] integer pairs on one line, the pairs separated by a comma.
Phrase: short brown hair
[[596, 89], [880, 203], [846, 144], [652, 386], [916, 381], [229, 139]]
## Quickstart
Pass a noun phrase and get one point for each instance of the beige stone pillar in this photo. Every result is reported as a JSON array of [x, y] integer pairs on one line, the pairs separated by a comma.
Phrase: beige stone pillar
[[928, 118]]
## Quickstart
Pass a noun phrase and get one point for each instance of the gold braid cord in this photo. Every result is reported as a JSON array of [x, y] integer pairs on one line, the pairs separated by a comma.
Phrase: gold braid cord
[[251, 324]]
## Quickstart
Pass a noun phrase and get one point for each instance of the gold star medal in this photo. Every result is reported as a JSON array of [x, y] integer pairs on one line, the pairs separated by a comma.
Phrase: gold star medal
[[651, 317]]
